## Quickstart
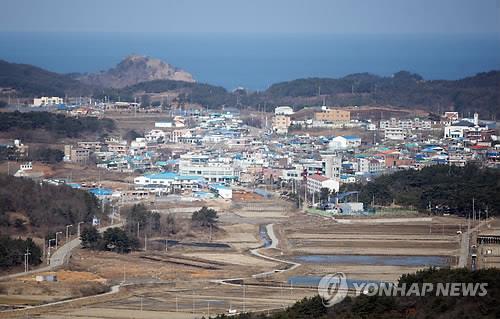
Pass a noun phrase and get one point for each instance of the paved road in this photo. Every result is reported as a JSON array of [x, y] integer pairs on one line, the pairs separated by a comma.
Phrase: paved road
[[465, 245], [58, 258]]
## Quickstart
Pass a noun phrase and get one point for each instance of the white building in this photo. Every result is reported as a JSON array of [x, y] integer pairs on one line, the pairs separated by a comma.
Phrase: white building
[[458, 130], [408, 124], [213, 170], [316, 182], [283, 110], [47, 101], [395, 133], [155, 136], [163, 182], [344, 142]]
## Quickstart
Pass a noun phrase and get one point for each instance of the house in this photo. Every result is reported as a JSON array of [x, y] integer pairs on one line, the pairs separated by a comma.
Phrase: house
[[316, 182]]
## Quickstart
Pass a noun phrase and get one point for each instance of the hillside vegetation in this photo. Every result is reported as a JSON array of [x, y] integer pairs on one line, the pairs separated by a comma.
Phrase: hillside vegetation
[[446, 189], [26, 205], [409, 307], [29, 81], [479, 93], [57, 124]]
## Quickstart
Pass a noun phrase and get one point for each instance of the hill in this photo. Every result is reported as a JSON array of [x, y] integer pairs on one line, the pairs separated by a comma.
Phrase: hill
[[449, 189], [137, 75], [35, 206], [479, 93], [57, 125], [429, 305], [135, 69], [29, 81]]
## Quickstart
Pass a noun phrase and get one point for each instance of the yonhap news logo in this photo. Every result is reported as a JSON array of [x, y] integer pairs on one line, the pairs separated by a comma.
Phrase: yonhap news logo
[[333, 289]]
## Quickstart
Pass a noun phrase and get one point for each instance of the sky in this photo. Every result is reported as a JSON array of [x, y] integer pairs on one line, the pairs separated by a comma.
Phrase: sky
[[253, 16]]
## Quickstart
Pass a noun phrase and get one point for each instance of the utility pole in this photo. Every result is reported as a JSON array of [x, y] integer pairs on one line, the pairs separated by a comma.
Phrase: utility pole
[[473, 212], [26, 259], [244, 299]]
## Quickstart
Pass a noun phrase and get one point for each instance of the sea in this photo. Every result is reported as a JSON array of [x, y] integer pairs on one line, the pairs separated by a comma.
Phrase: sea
[[255, 61]]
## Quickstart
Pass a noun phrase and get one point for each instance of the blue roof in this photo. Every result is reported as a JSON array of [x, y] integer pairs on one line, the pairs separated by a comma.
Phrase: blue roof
[[74, 185], [163, 175], [101, 191], [219, 186], [352, 137], [190, 177]]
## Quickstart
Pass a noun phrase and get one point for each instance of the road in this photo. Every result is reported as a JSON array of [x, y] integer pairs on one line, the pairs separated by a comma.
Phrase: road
[[465, 245], [59, 258]]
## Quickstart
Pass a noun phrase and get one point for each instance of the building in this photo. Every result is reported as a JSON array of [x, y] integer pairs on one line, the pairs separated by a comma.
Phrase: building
[[344, 142], [213, 170], [333, 115], [76, 154], [283, 110], [395, 133], [167, 181], [371, 165], [92, 146], [332, 166], [466, 128], [47, 101], [281, 123], [316, 182], [407, 124]]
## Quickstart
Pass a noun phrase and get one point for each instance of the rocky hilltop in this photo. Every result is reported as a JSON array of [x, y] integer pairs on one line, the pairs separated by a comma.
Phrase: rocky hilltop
[[135, 69]]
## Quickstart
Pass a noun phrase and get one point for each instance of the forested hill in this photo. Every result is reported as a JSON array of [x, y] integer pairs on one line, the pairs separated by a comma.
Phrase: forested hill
[[447, 189], [476, 93], [28, 81], [429, 305], [27, 206]]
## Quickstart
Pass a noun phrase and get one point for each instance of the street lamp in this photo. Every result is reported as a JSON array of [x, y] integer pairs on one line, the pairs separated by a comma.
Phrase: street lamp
[[67, 231], [59, 232], [48, 255], [78, 226]]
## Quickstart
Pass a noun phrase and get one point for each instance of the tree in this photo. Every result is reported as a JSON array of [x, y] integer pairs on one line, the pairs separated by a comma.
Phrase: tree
[[324, 194], [116, 239], [91, 238], [205, 217], [12, 252]]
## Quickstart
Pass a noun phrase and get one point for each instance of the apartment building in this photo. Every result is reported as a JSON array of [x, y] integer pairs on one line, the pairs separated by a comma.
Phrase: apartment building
[[281, 123], [76, 154]]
